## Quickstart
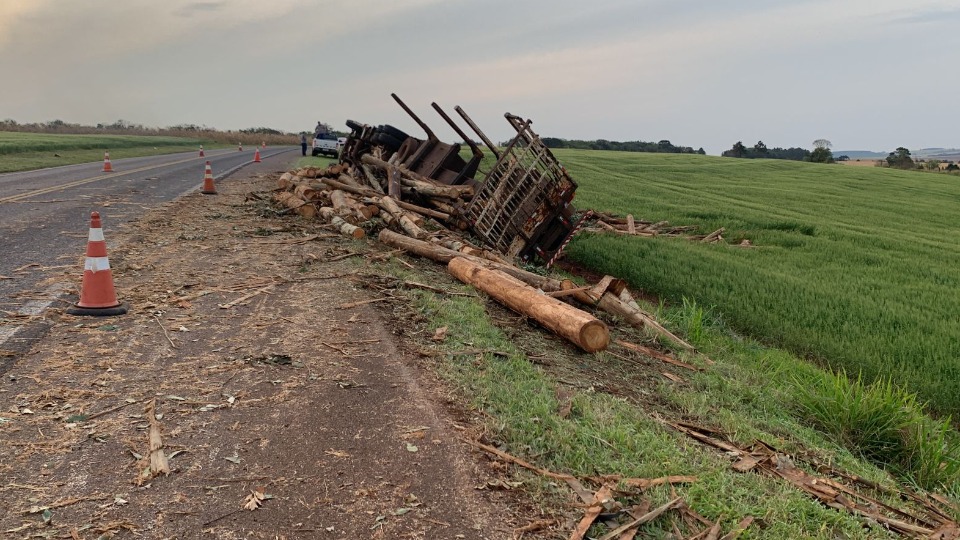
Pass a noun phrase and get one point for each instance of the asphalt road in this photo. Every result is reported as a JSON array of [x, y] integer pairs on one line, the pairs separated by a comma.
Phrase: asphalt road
[[45, 218]]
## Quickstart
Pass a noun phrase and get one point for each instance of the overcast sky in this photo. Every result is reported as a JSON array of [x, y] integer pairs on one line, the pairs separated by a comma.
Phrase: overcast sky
[[865, 74]]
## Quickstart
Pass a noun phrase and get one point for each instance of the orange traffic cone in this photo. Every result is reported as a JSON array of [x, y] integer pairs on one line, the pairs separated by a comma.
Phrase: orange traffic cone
[[239, 147], [97, 295], [201, 150], [107, 167], [256, 155], [208, 187]]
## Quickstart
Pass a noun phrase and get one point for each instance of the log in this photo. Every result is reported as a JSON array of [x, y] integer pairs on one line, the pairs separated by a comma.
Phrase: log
[[340, 203], [367, 192], [631, 228], [450, 243], [372, 179], [443, 255], [350, 181], [300, 206], [349, 188], [449, 209], [423, 211], [407, 224], [327, 213], [714, 236], [347, 229], [393, 182], [637, 317], [305, 192], [611, 295], [420, 183], [418, 247], [575, 325], [284, 181], [657, 225]]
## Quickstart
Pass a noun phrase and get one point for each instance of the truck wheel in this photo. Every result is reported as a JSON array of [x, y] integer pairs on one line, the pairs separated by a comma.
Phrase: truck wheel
[[315, 152], [393, 132], [387, 141]]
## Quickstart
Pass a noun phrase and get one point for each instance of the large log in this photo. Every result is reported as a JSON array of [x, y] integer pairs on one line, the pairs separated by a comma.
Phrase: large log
[[579, 327]]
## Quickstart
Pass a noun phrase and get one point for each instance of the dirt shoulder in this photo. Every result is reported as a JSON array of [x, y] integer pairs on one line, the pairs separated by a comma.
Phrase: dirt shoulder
[[264, 379]]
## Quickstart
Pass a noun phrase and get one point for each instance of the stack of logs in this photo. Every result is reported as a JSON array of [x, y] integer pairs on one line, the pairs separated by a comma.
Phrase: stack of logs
[[420, 216]]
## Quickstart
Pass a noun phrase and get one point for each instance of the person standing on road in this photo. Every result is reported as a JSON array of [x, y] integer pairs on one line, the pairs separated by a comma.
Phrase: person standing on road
[[303, 144]]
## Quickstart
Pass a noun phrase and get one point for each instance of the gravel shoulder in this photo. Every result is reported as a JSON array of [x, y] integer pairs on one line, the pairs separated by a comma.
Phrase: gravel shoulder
[[268, 374]]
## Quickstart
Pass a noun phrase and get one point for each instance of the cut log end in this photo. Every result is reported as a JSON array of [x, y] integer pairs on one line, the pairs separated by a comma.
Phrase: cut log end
[[594, 336]]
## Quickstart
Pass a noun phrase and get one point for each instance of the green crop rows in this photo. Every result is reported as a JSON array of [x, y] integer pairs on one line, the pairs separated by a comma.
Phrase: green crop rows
[[857, 268]]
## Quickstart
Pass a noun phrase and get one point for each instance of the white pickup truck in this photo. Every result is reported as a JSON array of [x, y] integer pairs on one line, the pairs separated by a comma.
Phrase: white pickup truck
[[325, 143]]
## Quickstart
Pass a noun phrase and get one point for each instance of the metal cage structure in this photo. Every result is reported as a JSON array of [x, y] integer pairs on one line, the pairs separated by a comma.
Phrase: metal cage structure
[[522, 208]]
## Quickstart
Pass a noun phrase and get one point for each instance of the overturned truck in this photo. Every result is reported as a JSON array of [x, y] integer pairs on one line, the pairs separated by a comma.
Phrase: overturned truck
[[521, 207]]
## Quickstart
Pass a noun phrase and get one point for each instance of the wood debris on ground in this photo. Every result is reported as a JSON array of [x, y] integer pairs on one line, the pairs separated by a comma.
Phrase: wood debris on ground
[[920, 516], [620, 503], [608, 223]]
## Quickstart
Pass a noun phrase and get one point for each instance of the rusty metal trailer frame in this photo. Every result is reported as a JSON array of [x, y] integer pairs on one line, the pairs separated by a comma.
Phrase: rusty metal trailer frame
[[522, 208]]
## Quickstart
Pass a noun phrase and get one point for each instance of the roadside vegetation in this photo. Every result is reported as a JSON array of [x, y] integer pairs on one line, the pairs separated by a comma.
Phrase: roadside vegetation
[[516, 380]]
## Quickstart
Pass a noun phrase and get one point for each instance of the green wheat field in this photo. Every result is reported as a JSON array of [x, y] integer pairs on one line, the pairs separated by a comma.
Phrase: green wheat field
[[28, 151], [855, 268]]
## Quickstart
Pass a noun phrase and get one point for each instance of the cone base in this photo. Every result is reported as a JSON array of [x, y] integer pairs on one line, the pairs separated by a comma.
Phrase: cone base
[[98, 312], [205, 192]]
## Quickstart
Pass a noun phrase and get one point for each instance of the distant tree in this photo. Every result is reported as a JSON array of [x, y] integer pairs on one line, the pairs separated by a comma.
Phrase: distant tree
[[738, 150], [701, 151], [821, 152], [953, 167], [844, 158], [933, 164], [900, 158], [553, 142], [760, 149]]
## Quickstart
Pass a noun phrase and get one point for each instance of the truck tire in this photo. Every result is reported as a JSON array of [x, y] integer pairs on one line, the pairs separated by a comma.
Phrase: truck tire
[[315, 152], [393, 132], [387, 141]]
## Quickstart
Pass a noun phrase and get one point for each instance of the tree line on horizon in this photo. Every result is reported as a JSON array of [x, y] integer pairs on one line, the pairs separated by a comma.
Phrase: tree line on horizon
[[760, 150], [123, 127], [663, 146]]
